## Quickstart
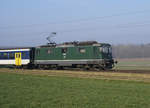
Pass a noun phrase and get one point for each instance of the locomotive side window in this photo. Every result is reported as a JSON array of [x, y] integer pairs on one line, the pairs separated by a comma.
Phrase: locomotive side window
[[100, 49], [82, 50], [64, 50], [23, 54], [49, 51]]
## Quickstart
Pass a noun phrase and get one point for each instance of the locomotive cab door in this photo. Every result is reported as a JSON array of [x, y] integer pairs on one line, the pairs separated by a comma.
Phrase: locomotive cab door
[[18, 59]]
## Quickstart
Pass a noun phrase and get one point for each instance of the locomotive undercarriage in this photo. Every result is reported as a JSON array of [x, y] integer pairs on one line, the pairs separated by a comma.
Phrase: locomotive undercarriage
[[88, 65]]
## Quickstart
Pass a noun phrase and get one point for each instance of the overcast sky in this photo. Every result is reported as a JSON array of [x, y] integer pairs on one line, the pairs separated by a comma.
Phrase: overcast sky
[[29, 22]]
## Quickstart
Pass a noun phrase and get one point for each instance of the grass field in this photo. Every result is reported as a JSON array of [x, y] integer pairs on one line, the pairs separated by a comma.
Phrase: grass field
[[133, 64], [20, 89], [77, 89]]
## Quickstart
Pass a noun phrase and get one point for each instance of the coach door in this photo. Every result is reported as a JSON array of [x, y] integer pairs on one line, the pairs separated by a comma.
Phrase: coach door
[[18, 59]]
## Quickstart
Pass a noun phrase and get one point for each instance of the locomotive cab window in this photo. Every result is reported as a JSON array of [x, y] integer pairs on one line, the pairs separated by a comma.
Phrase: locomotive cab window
[[105, 49], [64, 50], [110, 49], [82, 50]]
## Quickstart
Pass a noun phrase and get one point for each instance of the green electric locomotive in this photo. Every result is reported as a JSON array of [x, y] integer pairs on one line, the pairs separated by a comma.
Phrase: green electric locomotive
[[89, 54]]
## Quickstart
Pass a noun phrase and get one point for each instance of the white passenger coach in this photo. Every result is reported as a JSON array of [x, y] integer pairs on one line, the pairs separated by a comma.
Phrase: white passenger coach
[[15, 56]]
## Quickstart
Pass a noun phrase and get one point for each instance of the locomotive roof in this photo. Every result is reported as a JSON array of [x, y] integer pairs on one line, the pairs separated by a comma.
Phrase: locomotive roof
[[75, 43]]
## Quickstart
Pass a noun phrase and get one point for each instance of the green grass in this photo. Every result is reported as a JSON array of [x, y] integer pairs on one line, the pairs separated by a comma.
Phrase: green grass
[[133, 64], [28, 91]]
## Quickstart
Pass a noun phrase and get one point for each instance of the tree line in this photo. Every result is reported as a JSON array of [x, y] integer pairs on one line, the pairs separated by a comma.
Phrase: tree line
[[131, 51]]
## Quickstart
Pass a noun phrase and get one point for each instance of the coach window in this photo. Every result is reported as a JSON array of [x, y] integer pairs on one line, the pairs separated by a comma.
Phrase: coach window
[[5, 55], [11, 55], [24, 55], [82, 50], [1, 56], [64, 50]]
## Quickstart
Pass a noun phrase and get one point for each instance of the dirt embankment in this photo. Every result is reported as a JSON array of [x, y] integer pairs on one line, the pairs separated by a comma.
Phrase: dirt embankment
[[129, 75]]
